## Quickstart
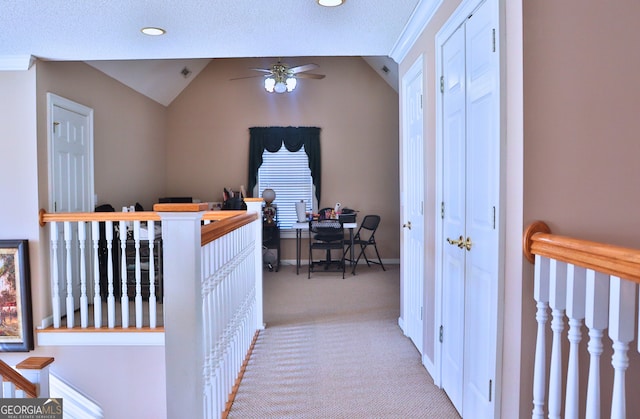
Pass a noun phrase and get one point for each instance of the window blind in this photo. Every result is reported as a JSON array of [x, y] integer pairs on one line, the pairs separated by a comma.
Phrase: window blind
[[288, 174]]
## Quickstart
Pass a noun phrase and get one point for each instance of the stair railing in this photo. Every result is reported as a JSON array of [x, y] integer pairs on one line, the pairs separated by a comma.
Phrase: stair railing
[[589, 282], [29, 379]]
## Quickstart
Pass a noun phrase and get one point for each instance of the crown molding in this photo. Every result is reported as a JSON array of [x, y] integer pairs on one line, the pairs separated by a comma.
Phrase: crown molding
[[16, 62], [418, 21]]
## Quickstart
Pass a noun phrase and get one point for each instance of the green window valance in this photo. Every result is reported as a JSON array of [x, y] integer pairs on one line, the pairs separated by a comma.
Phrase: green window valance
[[293, 138]]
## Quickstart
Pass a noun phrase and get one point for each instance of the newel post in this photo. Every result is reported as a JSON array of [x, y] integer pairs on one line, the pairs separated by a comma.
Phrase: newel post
[[182, 272], [255, 205]]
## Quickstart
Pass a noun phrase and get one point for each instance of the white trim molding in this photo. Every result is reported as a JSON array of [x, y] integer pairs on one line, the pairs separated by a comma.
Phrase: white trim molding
[[418, 21], [16, 62]]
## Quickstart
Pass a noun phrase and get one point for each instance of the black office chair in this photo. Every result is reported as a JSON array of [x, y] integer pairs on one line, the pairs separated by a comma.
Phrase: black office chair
[[364, 238], [326, 235]]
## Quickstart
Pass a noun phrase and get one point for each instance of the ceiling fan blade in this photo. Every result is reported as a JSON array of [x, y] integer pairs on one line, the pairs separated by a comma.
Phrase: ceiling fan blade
[[301, 68], [264, 70], [247, 77], [309, 76]]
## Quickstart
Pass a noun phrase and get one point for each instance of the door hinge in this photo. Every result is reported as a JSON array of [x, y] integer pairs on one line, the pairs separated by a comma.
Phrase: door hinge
[[421, 313], [55, 206], [441, 334], [494, 218], [420, 100], [494, 40], [441, 84], [442, 210], [490, 385]]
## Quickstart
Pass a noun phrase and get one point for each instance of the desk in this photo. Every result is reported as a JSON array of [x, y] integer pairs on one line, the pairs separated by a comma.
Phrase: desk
[[305, 226]]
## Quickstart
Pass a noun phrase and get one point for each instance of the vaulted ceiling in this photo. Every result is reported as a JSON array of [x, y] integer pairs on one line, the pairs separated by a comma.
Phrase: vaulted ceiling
[[106, 34]]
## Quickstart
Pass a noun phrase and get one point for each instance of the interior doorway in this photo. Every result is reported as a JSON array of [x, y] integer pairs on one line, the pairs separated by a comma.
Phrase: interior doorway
[[412, 266], [71, 187]]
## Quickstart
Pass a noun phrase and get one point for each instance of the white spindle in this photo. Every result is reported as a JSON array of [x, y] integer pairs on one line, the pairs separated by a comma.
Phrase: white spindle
[[69, 269], [622, 300], [111, 299], [124, 298], [84, 304], [138, 297], [596, 319], [152, 274], [541, 295], [55, 286], [97, 302], [557, 302], [576, 289]]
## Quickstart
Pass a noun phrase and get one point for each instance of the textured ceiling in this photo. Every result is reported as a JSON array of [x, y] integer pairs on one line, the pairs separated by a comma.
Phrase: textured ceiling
[[98, 30]]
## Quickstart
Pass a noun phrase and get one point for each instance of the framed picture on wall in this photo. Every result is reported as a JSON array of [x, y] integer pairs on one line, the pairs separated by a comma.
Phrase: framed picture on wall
[[16, 322]]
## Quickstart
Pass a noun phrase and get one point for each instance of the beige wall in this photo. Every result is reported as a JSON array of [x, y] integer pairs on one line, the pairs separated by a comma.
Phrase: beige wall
[[581, 101], [357, 111], [129, 132]]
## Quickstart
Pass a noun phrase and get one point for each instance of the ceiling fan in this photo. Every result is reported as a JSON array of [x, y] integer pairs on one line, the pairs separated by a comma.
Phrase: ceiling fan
[[281, 78]]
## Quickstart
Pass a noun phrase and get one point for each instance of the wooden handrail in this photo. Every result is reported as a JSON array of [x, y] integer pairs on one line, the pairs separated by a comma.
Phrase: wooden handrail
[[220, 228], [45, 217], [9, 374], [606, 258]]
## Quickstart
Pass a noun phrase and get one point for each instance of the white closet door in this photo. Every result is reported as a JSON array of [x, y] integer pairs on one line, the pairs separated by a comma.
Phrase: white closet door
[[482, 199], [453, 257], [470, 191]]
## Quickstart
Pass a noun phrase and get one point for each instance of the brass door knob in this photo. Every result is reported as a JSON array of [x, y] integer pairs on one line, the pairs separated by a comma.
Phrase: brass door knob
[[459, 242]]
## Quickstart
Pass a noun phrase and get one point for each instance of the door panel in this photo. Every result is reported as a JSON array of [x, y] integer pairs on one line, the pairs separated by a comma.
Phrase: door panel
[[453, 275], [470, 191], [71, 175], [483, 170], [413, 186]]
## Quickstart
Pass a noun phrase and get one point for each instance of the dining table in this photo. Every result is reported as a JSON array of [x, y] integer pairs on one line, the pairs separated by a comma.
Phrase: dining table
[[304, 226]]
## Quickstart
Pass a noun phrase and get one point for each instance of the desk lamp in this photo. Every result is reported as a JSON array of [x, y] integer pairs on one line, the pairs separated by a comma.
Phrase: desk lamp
[[269, 211]]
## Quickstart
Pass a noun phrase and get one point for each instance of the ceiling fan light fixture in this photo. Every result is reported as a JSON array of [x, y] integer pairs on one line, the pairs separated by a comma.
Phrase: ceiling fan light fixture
[[330, 3], [291, 83], [269, 84], [152, 31], [280, 87]]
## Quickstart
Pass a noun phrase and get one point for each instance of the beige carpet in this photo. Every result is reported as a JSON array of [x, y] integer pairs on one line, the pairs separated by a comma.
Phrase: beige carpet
[[332, 348]]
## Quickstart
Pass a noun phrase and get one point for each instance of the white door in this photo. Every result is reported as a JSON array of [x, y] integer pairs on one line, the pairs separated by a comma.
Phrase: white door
[[413, 214], [471, 193], [453, 223], [70, 178]]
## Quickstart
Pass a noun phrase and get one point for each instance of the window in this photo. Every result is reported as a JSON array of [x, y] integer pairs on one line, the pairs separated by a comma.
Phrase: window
[[288, 174]]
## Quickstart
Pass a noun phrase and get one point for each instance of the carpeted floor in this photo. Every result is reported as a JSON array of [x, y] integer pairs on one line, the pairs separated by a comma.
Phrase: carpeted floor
[[332, 348]]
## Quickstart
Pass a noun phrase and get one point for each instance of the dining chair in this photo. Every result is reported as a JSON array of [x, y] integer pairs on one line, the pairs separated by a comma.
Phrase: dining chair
[[365, 237], [326, 235]]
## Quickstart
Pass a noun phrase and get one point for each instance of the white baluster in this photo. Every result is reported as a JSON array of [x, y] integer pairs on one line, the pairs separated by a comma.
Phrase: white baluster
[[111, 299], [596, 319], [622, 306], [55, 291], [84, 304], [138, 297], [97, 302], [69, 270], [152, 274], [541, 295], [557, 302], [124, 297], [576, 289]]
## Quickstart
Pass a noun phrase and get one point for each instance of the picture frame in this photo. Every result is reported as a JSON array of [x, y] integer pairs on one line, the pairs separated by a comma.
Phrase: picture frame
[[16, 319]]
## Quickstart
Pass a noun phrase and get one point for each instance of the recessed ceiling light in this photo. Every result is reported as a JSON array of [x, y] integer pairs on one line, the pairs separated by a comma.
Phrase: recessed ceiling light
[[330, 3], [151, 31]]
